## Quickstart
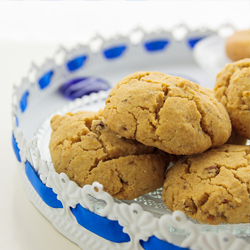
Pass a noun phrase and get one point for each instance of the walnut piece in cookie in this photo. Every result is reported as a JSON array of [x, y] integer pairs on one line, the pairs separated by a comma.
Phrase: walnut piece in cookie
[[167, 112], [232, 89], [83, 147], [212, 187]]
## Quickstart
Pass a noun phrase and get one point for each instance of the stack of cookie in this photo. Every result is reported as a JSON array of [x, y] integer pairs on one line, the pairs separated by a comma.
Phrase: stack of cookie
[[151, 119], [87, 150]]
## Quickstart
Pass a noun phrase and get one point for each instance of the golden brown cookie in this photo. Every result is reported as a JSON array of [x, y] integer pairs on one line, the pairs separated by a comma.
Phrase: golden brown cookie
[[235, 138], [170, 113], [84, 148], [238, 45], [212, 187], [232, 89], [208, 90]]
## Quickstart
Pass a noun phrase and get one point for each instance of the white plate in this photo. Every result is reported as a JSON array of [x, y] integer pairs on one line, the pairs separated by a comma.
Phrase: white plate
[[151, 202], [40, 103], [210, 54]]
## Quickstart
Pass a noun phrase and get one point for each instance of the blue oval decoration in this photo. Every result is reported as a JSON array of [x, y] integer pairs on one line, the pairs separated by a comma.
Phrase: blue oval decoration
[[45, 80], [105, 228], [154, 243], [76, 63], [114, 52], [46, 193], [194, 40], [15, 148], [79, 87], [156, 45], [24, 101]]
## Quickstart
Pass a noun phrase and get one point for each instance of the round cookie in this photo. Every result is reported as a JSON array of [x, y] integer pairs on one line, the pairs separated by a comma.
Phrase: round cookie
[[238, 45], [212, 187], [167, 112], [84, 148], [235, 137], [232, 89]]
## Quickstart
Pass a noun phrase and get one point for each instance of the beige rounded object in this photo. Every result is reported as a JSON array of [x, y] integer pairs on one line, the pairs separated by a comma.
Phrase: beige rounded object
[[208, 90], [232, 89], [170, 113], [212, 187], [238, 45], [235, 138], [85, 149]]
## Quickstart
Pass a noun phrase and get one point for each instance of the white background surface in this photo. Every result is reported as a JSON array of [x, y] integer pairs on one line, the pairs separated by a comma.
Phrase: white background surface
[[31, 31]]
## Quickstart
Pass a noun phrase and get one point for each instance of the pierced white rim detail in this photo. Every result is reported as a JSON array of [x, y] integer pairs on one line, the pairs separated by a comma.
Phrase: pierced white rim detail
[[62, 219]]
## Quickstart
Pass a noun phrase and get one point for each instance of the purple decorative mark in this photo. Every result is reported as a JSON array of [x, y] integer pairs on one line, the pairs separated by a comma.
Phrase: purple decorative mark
[[79, 87]]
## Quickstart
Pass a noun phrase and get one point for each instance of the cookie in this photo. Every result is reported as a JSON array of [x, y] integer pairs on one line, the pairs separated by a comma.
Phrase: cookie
[[238, 45], [212, 187], [232, 89], [235, 138], [85, 149], [167, 112], [208, 91]]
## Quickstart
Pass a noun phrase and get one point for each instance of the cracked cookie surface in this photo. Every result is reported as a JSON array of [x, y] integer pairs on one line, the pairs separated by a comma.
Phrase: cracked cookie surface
[[212, 187], [170, 113], [232, 89], [235, 137], [84, 148]]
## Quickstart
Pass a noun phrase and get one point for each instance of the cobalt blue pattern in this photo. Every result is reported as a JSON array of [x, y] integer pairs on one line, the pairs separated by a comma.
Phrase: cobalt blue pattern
[[44, 81], [154, 243], [46, 193], [15, 148], [114, 52], [17, 122], [156, 45], [105, 228], [24, 101], [78, 87], [76, 63], [194, 40]]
